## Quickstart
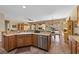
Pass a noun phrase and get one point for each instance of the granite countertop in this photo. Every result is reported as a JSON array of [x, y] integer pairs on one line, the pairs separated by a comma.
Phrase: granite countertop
[[20, 33], [75, 37]]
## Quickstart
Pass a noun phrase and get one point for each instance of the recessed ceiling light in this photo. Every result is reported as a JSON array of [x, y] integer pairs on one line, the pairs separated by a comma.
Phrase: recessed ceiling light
[[23, 6]]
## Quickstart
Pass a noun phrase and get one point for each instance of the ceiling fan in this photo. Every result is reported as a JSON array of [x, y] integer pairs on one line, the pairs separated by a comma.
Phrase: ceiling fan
[[30, 19]]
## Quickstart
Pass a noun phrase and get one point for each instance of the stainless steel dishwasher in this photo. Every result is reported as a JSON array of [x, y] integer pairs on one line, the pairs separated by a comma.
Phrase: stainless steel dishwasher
[[40, 41], [45, 42]]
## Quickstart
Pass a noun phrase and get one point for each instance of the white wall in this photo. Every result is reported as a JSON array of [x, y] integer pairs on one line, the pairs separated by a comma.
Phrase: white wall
[[2, 25]]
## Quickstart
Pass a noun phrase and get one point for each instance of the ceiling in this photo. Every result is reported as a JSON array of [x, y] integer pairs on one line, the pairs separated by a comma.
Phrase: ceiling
[[36, 12]]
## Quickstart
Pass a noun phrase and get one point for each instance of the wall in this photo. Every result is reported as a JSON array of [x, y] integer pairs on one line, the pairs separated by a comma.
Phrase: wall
[[2, 24]]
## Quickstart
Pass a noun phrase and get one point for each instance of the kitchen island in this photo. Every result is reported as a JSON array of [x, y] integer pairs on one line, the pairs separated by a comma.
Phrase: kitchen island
[[24, 39]]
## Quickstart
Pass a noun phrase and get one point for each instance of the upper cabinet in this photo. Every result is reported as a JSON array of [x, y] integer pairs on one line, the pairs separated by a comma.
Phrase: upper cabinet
[[73, 21], [23, 27], [78, 14], [73, 14]]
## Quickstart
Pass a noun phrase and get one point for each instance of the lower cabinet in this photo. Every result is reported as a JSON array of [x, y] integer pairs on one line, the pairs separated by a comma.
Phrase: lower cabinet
[[77, 47], [20, 40], [28, 39], [73, 47], [12, 42], [5, 43], [15, 41], [9, 42], [35, 40]]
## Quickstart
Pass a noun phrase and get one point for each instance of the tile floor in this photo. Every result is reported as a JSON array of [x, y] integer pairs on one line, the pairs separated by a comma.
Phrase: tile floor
[[57, 47]]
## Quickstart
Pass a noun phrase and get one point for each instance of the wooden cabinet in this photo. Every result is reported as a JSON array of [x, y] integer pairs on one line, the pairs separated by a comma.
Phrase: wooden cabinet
[[78, 15], [20, 26], [73, 46], [28, 39], [20, 40], [9, 42], [24, 40], [5, 43], [12, 42], [35, 40], [78, 47]]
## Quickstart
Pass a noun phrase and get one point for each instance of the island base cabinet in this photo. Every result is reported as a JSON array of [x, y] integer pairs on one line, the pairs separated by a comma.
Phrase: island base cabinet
[[5, 43], [28, 40], [35, 40], [12, 42], [9, 42], [20, 40]]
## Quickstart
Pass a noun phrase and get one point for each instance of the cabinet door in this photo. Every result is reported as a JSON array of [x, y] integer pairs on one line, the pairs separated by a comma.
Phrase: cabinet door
[[74, 48], [35, 40], [28, 39], [70, 45], [5, 43], [78, 47], [12, 42], [45, 42], [20, 40]]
